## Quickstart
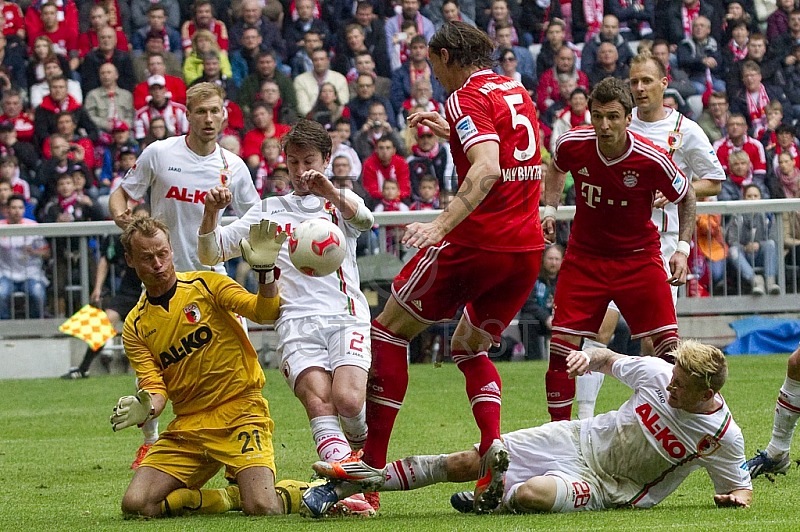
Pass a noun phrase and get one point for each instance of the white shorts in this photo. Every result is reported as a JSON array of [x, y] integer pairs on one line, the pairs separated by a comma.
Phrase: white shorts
[[553, 450], [326, 342], [669, 244]]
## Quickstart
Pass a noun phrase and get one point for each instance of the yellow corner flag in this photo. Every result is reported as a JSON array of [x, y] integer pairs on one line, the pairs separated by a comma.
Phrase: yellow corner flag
[[91, 325]]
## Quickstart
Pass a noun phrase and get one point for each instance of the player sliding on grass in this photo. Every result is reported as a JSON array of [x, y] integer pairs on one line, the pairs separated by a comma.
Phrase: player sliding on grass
[[482, 253], [675, 422], [184, 342]]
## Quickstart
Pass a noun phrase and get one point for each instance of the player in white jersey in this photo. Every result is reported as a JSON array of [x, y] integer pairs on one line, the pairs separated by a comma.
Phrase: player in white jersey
[[692, 152], [675, 422], [324, 324], [178, 171]]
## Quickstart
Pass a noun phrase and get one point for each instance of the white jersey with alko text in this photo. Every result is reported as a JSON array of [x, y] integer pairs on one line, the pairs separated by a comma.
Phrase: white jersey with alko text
[[178, 180]]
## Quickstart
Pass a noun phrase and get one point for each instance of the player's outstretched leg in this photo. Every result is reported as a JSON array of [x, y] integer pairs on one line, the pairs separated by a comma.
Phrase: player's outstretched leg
[[484, 390], [560, 388], [762, 463], [489, 488], [352, 470]]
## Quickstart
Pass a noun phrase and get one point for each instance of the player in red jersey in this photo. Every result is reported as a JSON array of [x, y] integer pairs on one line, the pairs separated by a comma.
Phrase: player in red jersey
[[614, 249], [483, 252]]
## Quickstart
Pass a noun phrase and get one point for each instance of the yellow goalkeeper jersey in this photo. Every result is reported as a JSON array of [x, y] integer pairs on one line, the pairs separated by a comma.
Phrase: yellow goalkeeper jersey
[[189, 346]]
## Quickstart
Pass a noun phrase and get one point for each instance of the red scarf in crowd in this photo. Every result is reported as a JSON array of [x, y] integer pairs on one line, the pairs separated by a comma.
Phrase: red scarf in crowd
[[756, 107], [593, 13], [688, 16]]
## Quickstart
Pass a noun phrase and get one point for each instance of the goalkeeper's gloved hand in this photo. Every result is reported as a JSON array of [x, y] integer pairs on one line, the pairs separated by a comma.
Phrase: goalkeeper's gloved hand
[[132, 410], [262, 248]]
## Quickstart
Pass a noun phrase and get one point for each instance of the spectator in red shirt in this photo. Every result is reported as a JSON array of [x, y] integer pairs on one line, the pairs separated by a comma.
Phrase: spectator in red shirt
[[99, 19], [263, 127], [67, 128], [175, 86], [42, 18], [203, 19], [12, 112], [13, 23], [385, 164]]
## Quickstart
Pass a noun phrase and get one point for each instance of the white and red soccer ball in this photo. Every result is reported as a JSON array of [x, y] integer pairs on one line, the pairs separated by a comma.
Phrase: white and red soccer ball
[[317, 247]]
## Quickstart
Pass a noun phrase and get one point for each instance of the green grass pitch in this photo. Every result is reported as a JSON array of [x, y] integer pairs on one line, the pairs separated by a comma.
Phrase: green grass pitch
[[62, 468]]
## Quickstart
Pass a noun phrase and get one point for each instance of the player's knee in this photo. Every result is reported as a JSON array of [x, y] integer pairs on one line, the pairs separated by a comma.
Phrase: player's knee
[[536, 495], [794, 365], [349, 403], [262, 505], [135, 503]]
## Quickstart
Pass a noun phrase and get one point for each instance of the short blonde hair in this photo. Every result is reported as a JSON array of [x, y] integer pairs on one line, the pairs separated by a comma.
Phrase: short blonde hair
[[145, 226], [703, 362], [203, 91]]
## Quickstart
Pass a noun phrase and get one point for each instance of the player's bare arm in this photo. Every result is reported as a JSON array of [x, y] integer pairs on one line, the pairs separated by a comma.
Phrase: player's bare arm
[[736, 498], [118, 207], [704, 188], [216, 199], [678, 263], [553, 187], [602, 360], [481, 177], [433, 120]]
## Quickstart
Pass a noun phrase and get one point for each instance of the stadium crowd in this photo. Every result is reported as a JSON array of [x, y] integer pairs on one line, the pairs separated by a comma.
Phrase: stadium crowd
[[87, 84]]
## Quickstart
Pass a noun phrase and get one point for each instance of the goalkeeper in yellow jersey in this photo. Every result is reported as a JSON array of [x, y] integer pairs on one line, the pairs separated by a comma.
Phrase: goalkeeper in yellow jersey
[[186, 345]]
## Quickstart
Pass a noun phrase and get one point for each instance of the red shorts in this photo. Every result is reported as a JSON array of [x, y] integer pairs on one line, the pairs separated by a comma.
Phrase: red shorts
[[638, 285], [441, 279]]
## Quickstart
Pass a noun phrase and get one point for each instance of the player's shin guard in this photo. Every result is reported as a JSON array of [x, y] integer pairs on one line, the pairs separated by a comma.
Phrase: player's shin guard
[[415, 472], [587, 386], [560, 388], [185, 501], [386, 388], [329, 439], [665, 344], [483, 391], [787, 412]]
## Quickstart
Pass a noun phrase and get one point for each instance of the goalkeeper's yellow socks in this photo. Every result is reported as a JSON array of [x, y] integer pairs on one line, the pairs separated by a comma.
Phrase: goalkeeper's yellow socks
[[184, 501], [291, 492]]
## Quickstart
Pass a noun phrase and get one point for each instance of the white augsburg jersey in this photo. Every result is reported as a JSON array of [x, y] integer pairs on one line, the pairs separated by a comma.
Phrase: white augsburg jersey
[[179, 179], [303, 296], [643, 451], [690, 150]]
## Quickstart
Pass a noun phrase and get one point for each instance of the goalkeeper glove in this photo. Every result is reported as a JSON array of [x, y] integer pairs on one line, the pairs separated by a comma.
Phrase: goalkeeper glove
[[262, 248], [132, 410]]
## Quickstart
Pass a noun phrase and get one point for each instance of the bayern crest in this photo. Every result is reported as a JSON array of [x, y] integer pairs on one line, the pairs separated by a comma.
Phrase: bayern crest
[[192, 313], [630, 178]]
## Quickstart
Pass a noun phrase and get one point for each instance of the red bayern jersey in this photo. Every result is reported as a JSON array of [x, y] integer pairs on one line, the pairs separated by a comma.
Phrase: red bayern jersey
[[493, 108], [614, 198], [12, 19]]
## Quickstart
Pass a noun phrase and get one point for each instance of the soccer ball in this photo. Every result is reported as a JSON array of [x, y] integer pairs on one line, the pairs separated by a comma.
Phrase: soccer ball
[[317, 247]]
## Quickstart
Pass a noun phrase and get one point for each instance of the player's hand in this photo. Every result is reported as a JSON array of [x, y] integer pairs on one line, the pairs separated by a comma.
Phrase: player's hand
[[660, 200], [132, 410], [262, 249], [730, 499], [433, 120], [316, 183], [549, 229], [577, 363], [421, 235], [679, 266], [124, 218], [218, 198]]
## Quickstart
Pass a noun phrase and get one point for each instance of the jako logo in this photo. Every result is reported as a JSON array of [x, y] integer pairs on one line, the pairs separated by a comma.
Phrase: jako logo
[[173, 169], [193, 340]]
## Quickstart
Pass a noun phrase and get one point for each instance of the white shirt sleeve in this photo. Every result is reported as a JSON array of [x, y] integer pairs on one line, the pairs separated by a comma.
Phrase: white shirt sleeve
[[140, 177], [700, 156]]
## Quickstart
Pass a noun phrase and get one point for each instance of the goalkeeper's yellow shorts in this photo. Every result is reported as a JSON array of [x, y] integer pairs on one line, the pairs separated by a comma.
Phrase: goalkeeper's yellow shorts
[[193, 454]]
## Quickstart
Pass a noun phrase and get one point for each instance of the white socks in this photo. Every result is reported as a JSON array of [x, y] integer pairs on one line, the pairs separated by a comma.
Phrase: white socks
[[331, 443], [415, 472], [150, 431], [355, 428], [787, 411], [587, 386]]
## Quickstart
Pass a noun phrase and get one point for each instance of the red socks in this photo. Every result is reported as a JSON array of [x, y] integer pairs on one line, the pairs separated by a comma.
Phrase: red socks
[[386, 388], [483, 391], [560, 388]]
